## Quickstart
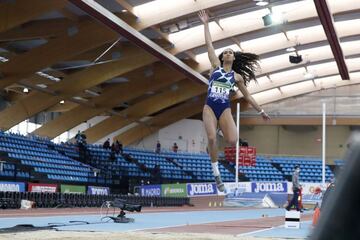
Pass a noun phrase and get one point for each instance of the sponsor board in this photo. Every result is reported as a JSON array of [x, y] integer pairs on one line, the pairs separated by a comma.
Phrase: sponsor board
[[150, 190], [269, 187], [72, 189], [236, 188], [174, 190], [94, 190], [201, 189], [309, 188], [42, 187], [312, 198], [12, 187]]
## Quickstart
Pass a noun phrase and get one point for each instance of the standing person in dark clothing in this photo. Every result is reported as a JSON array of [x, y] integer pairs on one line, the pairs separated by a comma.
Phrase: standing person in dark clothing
[[83, 138], [106, 144], [296, 189], [78, 137], [158, 147], [81, 143], [113, 151], [175, 148], [119, 147]]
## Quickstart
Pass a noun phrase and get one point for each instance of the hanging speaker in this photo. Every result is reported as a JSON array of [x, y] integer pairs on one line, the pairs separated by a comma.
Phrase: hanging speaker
[[267, 20], [295, 59]]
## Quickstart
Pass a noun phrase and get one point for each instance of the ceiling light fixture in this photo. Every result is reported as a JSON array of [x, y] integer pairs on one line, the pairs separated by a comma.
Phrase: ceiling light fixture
[[92, 92], [291, 49], [308, 75], [80, 98], [41, 85], [262, 3], [45, 75], [273, 19]]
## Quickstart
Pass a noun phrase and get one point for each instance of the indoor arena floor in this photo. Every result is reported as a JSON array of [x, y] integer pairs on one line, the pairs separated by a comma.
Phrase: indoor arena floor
[[159, 223]]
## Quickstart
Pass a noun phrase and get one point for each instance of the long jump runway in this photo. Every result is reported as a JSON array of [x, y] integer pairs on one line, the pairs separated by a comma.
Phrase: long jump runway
[[241, 224]]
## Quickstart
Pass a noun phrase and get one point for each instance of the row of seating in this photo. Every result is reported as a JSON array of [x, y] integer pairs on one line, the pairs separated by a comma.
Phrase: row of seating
[[47, 200], [59, 161], [20, 174], [311, 168], [39, 154]]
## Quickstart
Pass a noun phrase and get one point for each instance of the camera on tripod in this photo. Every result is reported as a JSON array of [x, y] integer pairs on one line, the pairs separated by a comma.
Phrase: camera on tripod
[[124, 206], [120, 203]]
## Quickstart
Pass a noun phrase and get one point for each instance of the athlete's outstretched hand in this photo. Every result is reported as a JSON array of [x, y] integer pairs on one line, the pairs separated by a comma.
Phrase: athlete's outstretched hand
[[204, 17]]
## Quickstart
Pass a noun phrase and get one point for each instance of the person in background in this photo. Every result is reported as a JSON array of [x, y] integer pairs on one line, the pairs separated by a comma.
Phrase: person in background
[[296, 189], [118, 147], [158, 147], [84, 155], [78, 136], [175, 148], [83, 138], [113, 152], [106, 144]]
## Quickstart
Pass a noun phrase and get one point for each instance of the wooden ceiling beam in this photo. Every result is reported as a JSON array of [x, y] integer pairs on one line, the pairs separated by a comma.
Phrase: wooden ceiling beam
[[15, 13], [164, 119], [68, 87], [185, 90], [111, 97]]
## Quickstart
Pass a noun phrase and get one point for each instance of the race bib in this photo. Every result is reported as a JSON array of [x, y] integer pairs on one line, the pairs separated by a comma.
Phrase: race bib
[[220, 88]]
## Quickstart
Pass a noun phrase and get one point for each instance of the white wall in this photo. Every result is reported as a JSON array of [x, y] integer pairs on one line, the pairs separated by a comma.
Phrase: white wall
[[112, 135], [188, 134], [148, 142], [286, 141]]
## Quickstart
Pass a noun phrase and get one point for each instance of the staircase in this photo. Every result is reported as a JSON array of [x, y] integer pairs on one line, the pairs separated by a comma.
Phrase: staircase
[[141, 166], [278, 167], [187, 172], [230, 168], [93, 163]]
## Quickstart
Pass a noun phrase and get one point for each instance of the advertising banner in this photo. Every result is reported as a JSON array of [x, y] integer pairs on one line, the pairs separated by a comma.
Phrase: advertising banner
[[42, 187], [72, 189], [173, 190], [309, 188], [269, 187], [232, 187], [201, 189], [94, 190], [150, 190], [12, 187]]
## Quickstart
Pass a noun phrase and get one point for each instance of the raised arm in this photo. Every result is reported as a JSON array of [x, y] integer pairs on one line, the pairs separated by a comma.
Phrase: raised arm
[[215, 62], [249, 98]]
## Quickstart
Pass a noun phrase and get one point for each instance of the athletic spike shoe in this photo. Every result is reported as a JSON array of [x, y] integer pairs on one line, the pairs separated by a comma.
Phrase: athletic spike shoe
[[219, 183]]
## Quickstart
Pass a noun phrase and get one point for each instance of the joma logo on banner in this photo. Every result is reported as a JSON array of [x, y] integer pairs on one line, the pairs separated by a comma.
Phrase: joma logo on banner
[[201, 189], [269, 187]]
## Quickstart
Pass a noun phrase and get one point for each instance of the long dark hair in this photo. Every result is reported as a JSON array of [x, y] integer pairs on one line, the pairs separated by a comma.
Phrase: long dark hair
[[244, 64]]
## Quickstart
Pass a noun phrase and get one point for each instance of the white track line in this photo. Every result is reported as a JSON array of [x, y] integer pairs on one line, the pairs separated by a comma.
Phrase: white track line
[[257, 231]]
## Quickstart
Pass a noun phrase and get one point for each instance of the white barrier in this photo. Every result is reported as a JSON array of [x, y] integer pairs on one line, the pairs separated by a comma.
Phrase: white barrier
[[292, 219], [26, 204]]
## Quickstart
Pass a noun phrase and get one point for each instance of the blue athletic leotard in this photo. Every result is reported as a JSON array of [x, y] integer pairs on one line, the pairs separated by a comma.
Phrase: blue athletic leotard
[[220, 85]]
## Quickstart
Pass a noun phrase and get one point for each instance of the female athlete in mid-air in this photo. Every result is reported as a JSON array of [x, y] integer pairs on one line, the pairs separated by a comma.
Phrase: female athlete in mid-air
[[229, 69]]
